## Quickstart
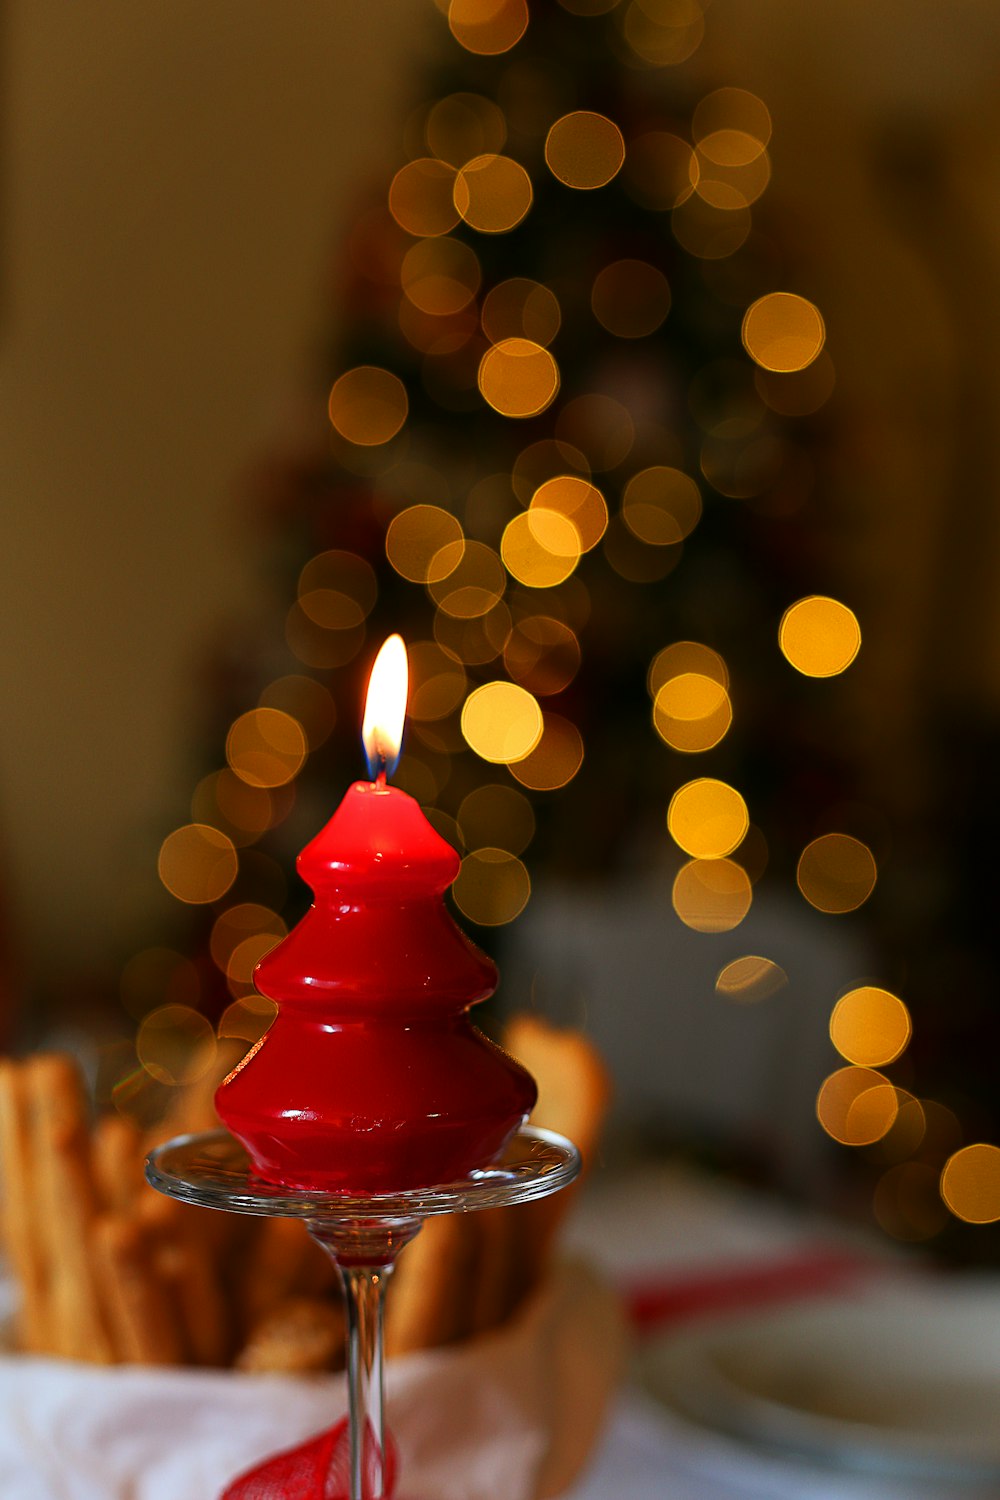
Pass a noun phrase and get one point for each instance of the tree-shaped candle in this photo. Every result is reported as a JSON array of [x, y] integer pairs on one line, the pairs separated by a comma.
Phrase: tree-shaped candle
[[371, 1077]]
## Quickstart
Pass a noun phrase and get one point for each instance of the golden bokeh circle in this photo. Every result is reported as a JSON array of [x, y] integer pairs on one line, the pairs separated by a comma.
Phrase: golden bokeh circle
[[661, 505], [496, 816], [907, 1202], [970, 1183], [175, 1045], [782, 331], [521, 308], [819, 636], [234, 925], [440, 276], [488, 27], [663, 33], [461, 126], [266, 747], [712, 895], [836, 873], [197, 863], [750, 979], [584, 150], [542, 654], [579, 501], [556, 758], [682, 657], [424, 543], [421, 197], [306, 700], [368, 405], [501, 722], [518, 378], [857, 1106], [731, 109], [437, 683], [707, 818], [540, 548], [492, 193], [492, 887], [870, 1026], [470, 587], [630, 298], [692, 712]]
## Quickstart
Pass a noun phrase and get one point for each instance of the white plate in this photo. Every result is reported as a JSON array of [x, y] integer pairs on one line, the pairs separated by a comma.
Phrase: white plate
[[902, 1382]]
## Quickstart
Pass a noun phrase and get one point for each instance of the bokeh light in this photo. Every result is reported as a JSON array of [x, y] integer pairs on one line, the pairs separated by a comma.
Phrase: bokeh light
[[907, 1204], [663, 32], [496, 816], [691, 712], [584, 150], [158, 976], [661, 505], [707, 818], [630, 298], [783, 331], [197, 863], [501, 722], [473, 586], [712, 895], [175, 1045], [440, 276], [870, 1026], [424, 543], [368, 405], [682, 657], [750, 979], [542, 654], [579, 501], [970, 1183], [556, 758], [266, 747], [492, 887], [421, 197], [540, 548], [492, 193], [857, 1106], [438, 683], [518, 378], [521, 308], [462, 126], [708, 232], [836, 873], [819, 636], [731, 109], [488, 27], [337, 590], [232, 927]]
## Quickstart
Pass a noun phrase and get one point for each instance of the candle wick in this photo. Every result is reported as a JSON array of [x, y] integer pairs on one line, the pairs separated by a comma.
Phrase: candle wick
[[380, 776]]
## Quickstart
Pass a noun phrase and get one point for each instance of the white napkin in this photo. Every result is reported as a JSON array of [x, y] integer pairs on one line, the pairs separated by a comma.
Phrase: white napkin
[[512, 1416]]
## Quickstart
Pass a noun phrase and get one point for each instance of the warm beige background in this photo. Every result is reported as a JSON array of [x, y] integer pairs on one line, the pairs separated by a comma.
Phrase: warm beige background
[[175, 172]]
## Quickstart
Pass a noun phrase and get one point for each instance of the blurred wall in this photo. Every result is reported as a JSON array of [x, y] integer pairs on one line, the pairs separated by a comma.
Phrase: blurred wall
[[175, 173]]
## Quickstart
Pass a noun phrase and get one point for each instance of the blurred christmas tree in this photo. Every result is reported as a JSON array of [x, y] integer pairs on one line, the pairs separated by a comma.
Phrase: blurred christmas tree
[[573, 405]]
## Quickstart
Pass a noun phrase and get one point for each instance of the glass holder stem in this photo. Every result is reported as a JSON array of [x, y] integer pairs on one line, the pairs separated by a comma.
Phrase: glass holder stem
[[364, 1303]]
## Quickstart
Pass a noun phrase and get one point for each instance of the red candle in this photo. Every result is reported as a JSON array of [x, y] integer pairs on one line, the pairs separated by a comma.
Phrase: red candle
[[372, 1077]]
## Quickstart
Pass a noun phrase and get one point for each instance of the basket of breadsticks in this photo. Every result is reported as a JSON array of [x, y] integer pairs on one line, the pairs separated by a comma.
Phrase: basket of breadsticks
[[186, 1305]]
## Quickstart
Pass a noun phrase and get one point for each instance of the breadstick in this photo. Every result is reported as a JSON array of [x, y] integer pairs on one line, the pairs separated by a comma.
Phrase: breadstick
[[66, 1205], [182, 1258], [431, 1288], [297, 1337], [116, 1153], [281, 1259], [20, 1227], [138, 1304]]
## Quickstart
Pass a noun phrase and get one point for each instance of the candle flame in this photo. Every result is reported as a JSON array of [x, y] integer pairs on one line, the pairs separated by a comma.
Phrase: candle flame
[[385, 708]]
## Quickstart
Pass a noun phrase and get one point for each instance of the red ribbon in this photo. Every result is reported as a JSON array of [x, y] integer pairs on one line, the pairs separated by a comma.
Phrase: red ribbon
[[319, 1469]]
